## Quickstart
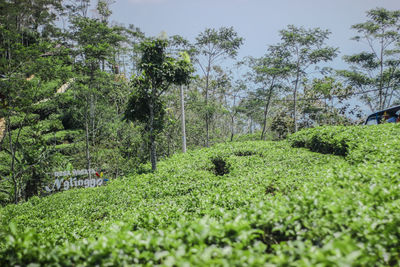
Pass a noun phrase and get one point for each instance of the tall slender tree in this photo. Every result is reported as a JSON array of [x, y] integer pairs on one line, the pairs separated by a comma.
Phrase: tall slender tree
[[214, 46], [304, 48], [29, 58], [376, 72], [268, 73], [159, 72], [95, 43]]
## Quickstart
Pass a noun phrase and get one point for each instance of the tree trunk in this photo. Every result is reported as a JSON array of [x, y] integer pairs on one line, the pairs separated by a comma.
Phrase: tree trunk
[[153, 157], [233, 118], [207, 115], [232, 126], [12, 169], [390, 97], [88, 163], [3, 131], [92, 118], [295, 101], [88, 121], [381, 78], [183, 121], [266, 109]]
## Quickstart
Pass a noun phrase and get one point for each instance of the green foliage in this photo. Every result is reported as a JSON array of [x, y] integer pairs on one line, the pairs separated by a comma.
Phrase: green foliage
[[138, 110], [304, 48], [250, 137], [358, 143], [158, 72], [269, 73], [375, 74], [277, 205], [282, 124], [213, 46], [224, 40], [97, 41], [159, 69]]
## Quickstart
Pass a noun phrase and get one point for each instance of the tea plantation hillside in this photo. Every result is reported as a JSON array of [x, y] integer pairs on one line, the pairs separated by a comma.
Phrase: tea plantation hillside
[[328, 196]]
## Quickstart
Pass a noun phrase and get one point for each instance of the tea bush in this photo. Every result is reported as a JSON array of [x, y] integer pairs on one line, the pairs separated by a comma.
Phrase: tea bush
[[277, 205], [377, 143]]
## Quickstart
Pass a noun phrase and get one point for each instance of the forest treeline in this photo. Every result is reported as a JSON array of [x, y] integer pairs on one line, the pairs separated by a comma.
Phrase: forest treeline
[[80, 92]]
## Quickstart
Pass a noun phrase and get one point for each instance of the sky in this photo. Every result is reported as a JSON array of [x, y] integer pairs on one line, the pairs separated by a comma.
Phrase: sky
[[257, 21]]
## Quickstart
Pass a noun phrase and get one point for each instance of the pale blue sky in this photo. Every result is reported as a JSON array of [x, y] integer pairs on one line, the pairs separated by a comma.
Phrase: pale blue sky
[[258, 21]]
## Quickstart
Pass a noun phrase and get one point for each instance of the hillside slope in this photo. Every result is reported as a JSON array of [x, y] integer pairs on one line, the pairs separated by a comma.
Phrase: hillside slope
[[250, 203]]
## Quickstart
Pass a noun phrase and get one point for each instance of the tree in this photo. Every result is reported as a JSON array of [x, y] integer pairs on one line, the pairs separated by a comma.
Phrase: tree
[[320, 107], [183, 122], [215, 45], [376, 73], [251, 108], [304, 48], [159, 72], [180, 44], [29, 59], [269, 73], [95, 44], [233, 105]]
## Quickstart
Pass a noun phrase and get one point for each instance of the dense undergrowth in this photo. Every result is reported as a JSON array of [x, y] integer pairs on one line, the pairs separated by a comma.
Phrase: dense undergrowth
[[242, 203]]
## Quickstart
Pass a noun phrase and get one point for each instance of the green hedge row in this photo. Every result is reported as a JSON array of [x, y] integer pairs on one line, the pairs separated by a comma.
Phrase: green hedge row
[[377, 143]]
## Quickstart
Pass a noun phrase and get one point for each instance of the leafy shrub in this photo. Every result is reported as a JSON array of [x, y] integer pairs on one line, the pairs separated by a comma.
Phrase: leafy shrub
[[252, 137], [358, 143], [221, 167]]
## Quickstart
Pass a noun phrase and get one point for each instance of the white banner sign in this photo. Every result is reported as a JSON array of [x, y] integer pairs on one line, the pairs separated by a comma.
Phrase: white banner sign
[[65, 184]]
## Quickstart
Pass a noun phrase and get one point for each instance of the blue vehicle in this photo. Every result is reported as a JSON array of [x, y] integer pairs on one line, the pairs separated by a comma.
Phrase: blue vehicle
[[387, 115]]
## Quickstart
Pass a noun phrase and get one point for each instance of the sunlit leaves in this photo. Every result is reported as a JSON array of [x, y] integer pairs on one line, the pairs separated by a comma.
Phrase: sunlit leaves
[[277, 204]]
